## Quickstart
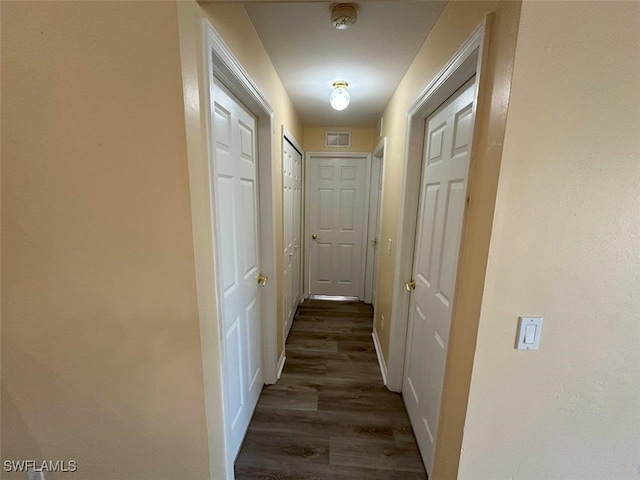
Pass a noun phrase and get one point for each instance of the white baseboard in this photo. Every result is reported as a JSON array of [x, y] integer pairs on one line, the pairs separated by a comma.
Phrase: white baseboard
[[283, 358], [381, 362]]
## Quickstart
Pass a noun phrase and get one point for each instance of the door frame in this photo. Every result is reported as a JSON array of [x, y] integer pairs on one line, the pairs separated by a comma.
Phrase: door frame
[[465, 63], [366, 156], [219, 62], [375, 215]]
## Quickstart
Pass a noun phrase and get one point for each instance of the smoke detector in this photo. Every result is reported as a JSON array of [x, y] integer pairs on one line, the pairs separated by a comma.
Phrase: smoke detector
[[343, 15]]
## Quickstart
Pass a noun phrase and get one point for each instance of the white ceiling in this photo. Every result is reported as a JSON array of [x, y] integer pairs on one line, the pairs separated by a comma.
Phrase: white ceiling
[[373, 55]]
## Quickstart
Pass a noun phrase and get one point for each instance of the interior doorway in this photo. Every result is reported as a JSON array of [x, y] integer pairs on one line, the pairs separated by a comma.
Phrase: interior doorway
[[337, 202], [237, 208], [443, 189], [375, 216], [228, 394], [425, 141]]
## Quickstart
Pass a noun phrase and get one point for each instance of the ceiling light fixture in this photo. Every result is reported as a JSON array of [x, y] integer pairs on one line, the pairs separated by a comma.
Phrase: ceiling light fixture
[[340, 98], [343, 15]]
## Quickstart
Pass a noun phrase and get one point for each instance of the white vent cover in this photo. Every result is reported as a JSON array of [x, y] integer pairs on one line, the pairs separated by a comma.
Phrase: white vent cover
[[337, 139]]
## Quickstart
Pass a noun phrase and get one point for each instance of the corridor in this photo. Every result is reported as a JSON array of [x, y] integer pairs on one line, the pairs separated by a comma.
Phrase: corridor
[[330, 416]]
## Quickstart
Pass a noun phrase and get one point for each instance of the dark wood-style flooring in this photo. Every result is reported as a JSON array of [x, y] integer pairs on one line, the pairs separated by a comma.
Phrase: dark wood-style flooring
[[330, 416]]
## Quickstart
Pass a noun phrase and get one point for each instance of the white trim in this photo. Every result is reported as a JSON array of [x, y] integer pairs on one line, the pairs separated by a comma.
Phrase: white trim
[[232, 74], [462, 66], [381, 362], [380, 148], [375, 214], [303, 225], [365, 227], [283, 359], [220, 63], [292, 140], [380, 152], [306, 229], [223, 65], [372, 215], [379, 127], [366, 156]]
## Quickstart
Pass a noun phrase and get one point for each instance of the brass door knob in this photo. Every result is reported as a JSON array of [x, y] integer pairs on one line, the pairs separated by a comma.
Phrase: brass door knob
[[262, 279], [314, 236], [410, 285]]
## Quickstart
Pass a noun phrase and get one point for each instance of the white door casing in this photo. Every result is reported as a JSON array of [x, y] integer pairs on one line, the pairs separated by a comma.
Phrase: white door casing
[[377, 241], [465, 63], [238, 253], [375, 217], [292, 225], [442, 205], [371, 246], [337, 206], [221, 63]]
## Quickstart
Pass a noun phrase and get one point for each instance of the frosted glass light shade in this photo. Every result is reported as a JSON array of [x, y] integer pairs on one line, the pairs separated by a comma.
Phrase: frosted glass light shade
[[339, 98]]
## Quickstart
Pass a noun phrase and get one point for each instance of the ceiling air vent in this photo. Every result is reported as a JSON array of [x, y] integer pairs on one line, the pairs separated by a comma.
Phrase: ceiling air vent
[[337, 139]]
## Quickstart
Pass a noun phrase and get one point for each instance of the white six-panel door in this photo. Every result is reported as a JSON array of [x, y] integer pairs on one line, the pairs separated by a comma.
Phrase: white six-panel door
[[237, 228], [337, 218], [292, 203], [442, 204]]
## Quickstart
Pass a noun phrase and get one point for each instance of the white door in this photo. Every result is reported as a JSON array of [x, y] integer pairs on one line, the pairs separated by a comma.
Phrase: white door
[[338, 211], [442, 204], [236, 198], [292, 200]]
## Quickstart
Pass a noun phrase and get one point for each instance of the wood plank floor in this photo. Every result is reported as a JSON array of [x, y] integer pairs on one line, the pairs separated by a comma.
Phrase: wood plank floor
[[330, 416]]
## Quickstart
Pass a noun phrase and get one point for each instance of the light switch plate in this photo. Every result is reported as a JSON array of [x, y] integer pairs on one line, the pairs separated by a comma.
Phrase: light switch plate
[[529, 329], [35, 475]]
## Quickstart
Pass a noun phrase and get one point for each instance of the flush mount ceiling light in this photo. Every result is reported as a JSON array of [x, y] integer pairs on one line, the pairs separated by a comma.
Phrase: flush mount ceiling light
[[343, 15], [339, 98]]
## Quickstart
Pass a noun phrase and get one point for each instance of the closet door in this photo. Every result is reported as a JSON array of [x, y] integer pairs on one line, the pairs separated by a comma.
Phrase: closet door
[[292, 200]]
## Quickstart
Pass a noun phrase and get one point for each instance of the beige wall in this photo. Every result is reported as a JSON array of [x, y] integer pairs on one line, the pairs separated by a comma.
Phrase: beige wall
[[101, 356], [565, 246], [457, 22], [362, 139], [100, 341]]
